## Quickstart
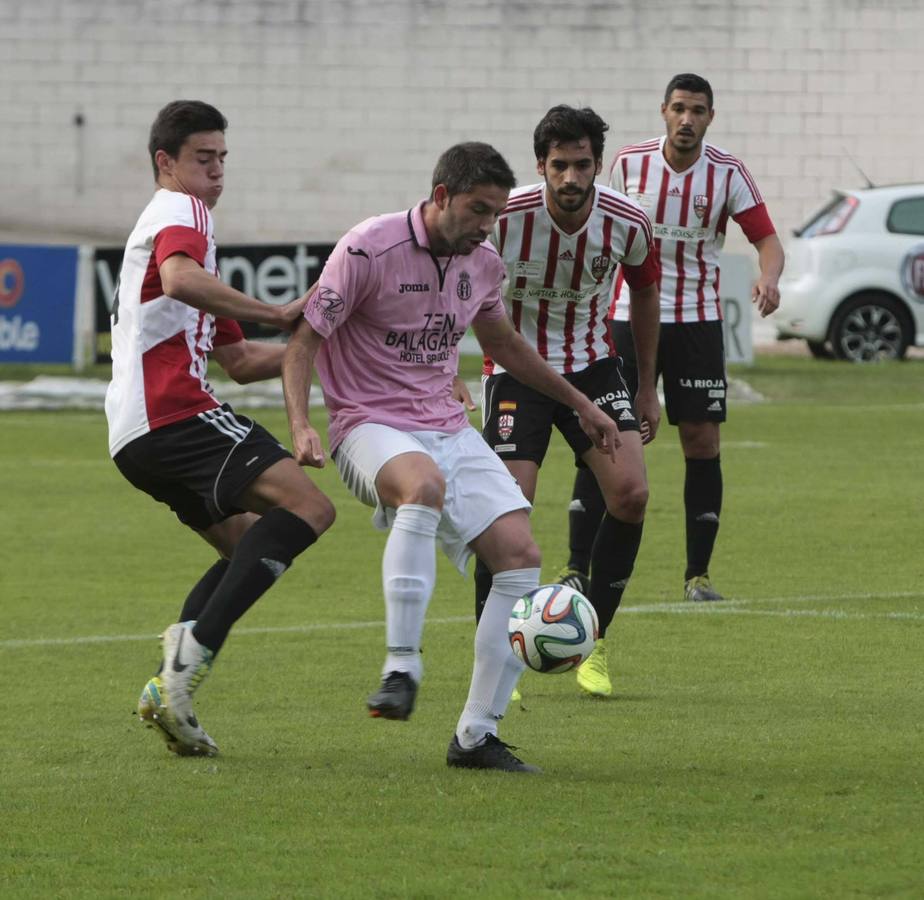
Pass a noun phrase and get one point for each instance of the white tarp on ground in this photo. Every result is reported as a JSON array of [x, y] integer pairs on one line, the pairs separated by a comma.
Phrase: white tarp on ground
[[47, 392]]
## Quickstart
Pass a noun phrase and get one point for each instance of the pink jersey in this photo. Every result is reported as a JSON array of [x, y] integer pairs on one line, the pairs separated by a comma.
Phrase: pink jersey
[[689, 213], [392, 315], [559, 284], [159, 344]]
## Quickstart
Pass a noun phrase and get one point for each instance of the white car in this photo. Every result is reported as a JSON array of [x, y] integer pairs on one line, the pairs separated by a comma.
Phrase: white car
[[853, 285]]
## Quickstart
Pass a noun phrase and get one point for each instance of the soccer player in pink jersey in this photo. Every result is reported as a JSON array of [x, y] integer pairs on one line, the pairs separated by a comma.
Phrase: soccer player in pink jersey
[[690, 189], [561, 241], [223, 475], [382, 332]]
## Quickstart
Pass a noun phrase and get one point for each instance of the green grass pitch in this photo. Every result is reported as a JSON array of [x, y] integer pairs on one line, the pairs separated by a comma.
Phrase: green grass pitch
[[769, 746]]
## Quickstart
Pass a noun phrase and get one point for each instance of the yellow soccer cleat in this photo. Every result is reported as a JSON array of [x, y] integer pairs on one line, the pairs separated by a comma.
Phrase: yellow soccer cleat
[[593, 677], [699, 589], [151, 709]]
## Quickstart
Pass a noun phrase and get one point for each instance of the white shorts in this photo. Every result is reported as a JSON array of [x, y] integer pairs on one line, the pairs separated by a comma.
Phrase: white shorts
[[479, 489]]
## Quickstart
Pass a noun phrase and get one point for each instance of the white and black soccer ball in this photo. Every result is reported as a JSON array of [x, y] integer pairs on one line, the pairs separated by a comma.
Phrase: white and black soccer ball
[[553, 628]]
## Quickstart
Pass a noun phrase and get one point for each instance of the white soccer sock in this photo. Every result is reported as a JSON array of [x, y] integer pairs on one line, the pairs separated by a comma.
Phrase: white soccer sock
[[408, 576], [496, 670]]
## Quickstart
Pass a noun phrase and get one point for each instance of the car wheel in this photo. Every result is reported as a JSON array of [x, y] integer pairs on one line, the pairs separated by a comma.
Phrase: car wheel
[[820, 350], [870, 327]]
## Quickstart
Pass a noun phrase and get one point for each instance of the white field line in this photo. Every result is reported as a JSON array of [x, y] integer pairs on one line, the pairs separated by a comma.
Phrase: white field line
[[732, 607]]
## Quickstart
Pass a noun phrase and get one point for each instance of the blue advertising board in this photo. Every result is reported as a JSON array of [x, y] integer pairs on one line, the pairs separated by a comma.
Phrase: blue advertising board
[[38, 288]]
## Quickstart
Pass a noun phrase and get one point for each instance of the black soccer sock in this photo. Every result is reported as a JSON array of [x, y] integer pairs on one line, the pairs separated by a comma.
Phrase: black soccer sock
[[264, 552], [613, 559], [702, 498], [483, 581], [584, 515], [203, 589]]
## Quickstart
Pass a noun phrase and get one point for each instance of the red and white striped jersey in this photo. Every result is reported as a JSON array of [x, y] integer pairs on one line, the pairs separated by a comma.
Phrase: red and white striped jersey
[[689, 213], [159, 344], [558, 285]]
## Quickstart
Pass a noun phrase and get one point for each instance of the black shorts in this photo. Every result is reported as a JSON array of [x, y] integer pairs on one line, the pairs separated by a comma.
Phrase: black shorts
[[518, 420], [200, 466], [691, 363]]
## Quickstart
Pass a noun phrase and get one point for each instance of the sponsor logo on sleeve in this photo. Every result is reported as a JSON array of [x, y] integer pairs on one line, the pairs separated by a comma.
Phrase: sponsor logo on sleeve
[[329, 303]]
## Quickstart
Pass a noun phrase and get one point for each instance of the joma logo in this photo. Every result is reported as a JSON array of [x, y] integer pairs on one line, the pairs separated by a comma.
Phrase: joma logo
[[413, 288]]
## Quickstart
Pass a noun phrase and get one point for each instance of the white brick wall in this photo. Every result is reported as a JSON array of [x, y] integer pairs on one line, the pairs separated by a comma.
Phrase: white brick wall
[[339, 109]]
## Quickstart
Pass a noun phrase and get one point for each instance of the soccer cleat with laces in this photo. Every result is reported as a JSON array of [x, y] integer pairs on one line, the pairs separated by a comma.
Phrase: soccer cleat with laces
[[593, 676], [491, 753], [699, 589], [395, 698], [573, 578], [166, 701]]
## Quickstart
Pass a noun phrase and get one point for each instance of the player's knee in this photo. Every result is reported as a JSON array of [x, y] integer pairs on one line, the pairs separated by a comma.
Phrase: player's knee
[[429, 490], [323, 514], [630, 504], [315, 509], [523, 554]]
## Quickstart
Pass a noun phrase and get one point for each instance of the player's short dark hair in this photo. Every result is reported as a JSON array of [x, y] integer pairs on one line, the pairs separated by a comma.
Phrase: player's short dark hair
[[565, 123], [687, 81], [177, 121], [464, 166]]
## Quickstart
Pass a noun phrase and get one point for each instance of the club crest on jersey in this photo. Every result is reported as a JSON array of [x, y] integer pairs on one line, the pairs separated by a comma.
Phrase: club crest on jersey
[[464, 286], [599, 266], [504, 426], [700, 204]]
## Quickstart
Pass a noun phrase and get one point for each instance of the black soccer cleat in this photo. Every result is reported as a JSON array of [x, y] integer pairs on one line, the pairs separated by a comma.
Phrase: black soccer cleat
[[574, 579], [491, 753], [395, 698]]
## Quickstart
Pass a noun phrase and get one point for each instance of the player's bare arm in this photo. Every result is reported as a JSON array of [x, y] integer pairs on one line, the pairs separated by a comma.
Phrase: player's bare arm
[[248, 361], [184, 279], [770, 258], [645, 307], [505, 345], [297, 368]]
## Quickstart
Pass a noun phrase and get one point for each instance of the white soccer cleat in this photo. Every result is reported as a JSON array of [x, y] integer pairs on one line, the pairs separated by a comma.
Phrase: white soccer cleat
[[186, 663]]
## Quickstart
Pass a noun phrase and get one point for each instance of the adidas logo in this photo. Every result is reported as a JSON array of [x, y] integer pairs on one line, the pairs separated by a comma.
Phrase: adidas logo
[[715, 406], [674, 192], [567, 256], [626, 415]]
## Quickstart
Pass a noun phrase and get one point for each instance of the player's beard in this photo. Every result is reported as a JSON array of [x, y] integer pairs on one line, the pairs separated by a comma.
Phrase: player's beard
[[571, 203]]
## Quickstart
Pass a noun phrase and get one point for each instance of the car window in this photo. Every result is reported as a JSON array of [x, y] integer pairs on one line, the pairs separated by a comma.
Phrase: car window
[[907, 216], [831, 218]]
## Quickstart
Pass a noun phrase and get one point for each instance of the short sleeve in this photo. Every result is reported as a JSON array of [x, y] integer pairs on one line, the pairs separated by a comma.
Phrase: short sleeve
[[180, 239], [349, 276], [227, 331]]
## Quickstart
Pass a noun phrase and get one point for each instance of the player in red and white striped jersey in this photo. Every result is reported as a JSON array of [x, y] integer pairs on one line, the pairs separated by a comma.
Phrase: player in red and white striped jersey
[[561, 241], [689, 189], [224, 476]]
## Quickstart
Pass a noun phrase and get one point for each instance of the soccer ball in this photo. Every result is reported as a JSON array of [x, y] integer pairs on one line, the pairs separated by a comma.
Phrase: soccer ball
[[553, 628]]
